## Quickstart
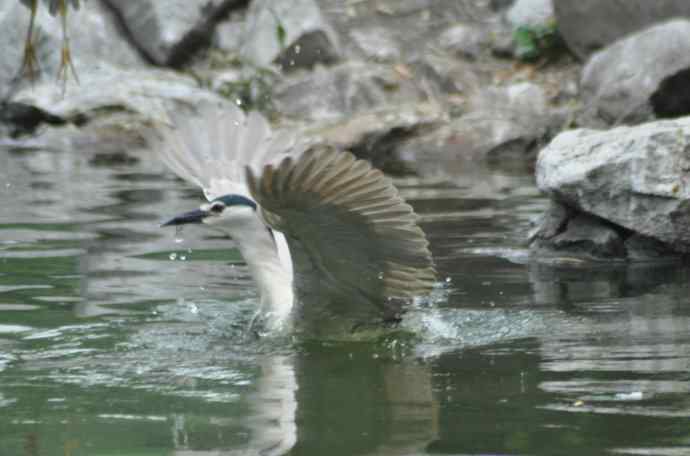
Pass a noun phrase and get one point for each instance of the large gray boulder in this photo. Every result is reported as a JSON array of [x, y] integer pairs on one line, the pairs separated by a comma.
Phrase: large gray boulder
[[503, 123], [634, 180], [589, 25], [106, 111], [625, 81], [106, 90], [291, 33]]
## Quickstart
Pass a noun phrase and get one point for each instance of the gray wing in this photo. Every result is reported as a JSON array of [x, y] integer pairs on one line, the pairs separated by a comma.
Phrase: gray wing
[[210, 144], [353, 240]]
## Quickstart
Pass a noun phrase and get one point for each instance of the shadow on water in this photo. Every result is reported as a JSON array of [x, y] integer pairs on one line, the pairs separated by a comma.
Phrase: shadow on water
[[117, 337]]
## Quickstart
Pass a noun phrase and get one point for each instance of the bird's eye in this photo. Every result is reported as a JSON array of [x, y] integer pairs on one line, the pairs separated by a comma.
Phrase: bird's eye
[[217, 208]]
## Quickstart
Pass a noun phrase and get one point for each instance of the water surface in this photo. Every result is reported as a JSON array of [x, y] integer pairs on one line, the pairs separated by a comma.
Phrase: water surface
[[118, 337]]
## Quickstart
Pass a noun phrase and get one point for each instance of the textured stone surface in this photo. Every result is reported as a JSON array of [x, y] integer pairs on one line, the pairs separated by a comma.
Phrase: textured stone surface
[[377, 43], [634, 177], [107, 89], [620, 80], [589, 25], [501, 122], [376, 134], [587, 235], [330, 93], [530, 12], [465, 40], [169, 31], [294, 34]]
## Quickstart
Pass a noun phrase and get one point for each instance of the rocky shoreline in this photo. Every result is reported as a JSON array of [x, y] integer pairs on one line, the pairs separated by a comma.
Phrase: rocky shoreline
[[574, 89]]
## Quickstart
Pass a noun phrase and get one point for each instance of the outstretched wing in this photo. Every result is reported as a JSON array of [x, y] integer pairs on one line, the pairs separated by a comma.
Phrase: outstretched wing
[[349, 231], [210, 145]]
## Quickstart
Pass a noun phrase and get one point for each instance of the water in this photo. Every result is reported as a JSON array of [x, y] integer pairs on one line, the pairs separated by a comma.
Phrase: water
[[118, 337]]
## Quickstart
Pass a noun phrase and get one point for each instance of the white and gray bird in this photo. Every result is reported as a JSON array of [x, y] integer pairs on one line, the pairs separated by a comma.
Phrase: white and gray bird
[[332, 246]]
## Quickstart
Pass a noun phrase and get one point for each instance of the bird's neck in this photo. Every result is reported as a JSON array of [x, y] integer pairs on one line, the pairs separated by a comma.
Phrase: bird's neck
[[258, 247]]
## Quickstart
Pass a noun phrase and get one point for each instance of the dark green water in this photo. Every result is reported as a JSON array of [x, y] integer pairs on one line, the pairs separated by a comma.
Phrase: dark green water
[[112, 345]]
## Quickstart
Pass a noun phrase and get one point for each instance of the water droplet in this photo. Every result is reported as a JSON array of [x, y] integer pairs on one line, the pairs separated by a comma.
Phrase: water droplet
[[178, 234], [173, 256], [380, 275], [183, 257], [193, 308], [189, 250], [298, 49], [237, 123], [448, 279], [238, 101]]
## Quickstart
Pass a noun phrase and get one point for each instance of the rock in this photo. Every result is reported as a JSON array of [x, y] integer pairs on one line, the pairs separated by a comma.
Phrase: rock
[[105, 91], [553, 221], [330, 93], [643, 248], [586, 236], [589, 25], [634, 177], [94, 39], [498, 5], [566, 235], [465, 40], [501, 123], [376, 43], [229, 33], [170, 32], [530, 13], [22, 119], [620, 81], [375, 135], [503, 44], [449, 75], [292, 34]]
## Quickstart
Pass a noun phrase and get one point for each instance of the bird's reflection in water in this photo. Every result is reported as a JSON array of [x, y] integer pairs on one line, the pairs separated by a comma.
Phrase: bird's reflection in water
[[334, 400]]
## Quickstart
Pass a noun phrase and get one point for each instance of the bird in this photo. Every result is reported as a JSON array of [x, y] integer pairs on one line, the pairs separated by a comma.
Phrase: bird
[[334, 250]]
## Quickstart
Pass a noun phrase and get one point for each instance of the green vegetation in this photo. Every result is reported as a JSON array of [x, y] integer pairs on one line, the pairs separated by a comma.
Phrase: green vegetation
[[253, 92], [533, 42]]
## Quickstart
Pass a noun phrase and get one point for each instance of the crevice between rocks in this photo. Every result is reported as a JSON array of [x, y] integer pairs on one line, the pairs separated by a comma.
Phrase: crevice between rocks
[[672, 97]]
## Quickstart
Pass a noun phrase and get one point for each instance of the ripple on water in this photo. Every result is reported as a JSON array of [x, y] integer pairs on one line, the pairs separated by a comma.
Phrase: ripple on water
[[5, 360], [17, 307], [5, 401], [182, 351], [68, 330], [13, 329]]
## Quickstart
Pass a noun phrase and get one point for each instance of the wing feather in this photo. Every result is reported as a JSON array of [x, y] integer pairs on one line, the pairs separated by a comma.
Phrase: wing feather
[[346, 225], [210, 144]]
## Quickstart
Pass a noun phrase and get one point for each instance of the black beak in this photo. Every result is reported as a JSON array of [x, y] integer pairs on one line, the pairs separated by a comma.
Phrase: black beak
[[196, 216]]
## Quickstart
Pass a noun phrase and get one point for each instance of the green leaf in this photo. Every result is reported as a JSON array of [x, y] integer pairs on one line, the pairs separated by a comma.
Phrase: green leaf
[[281, 35]]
